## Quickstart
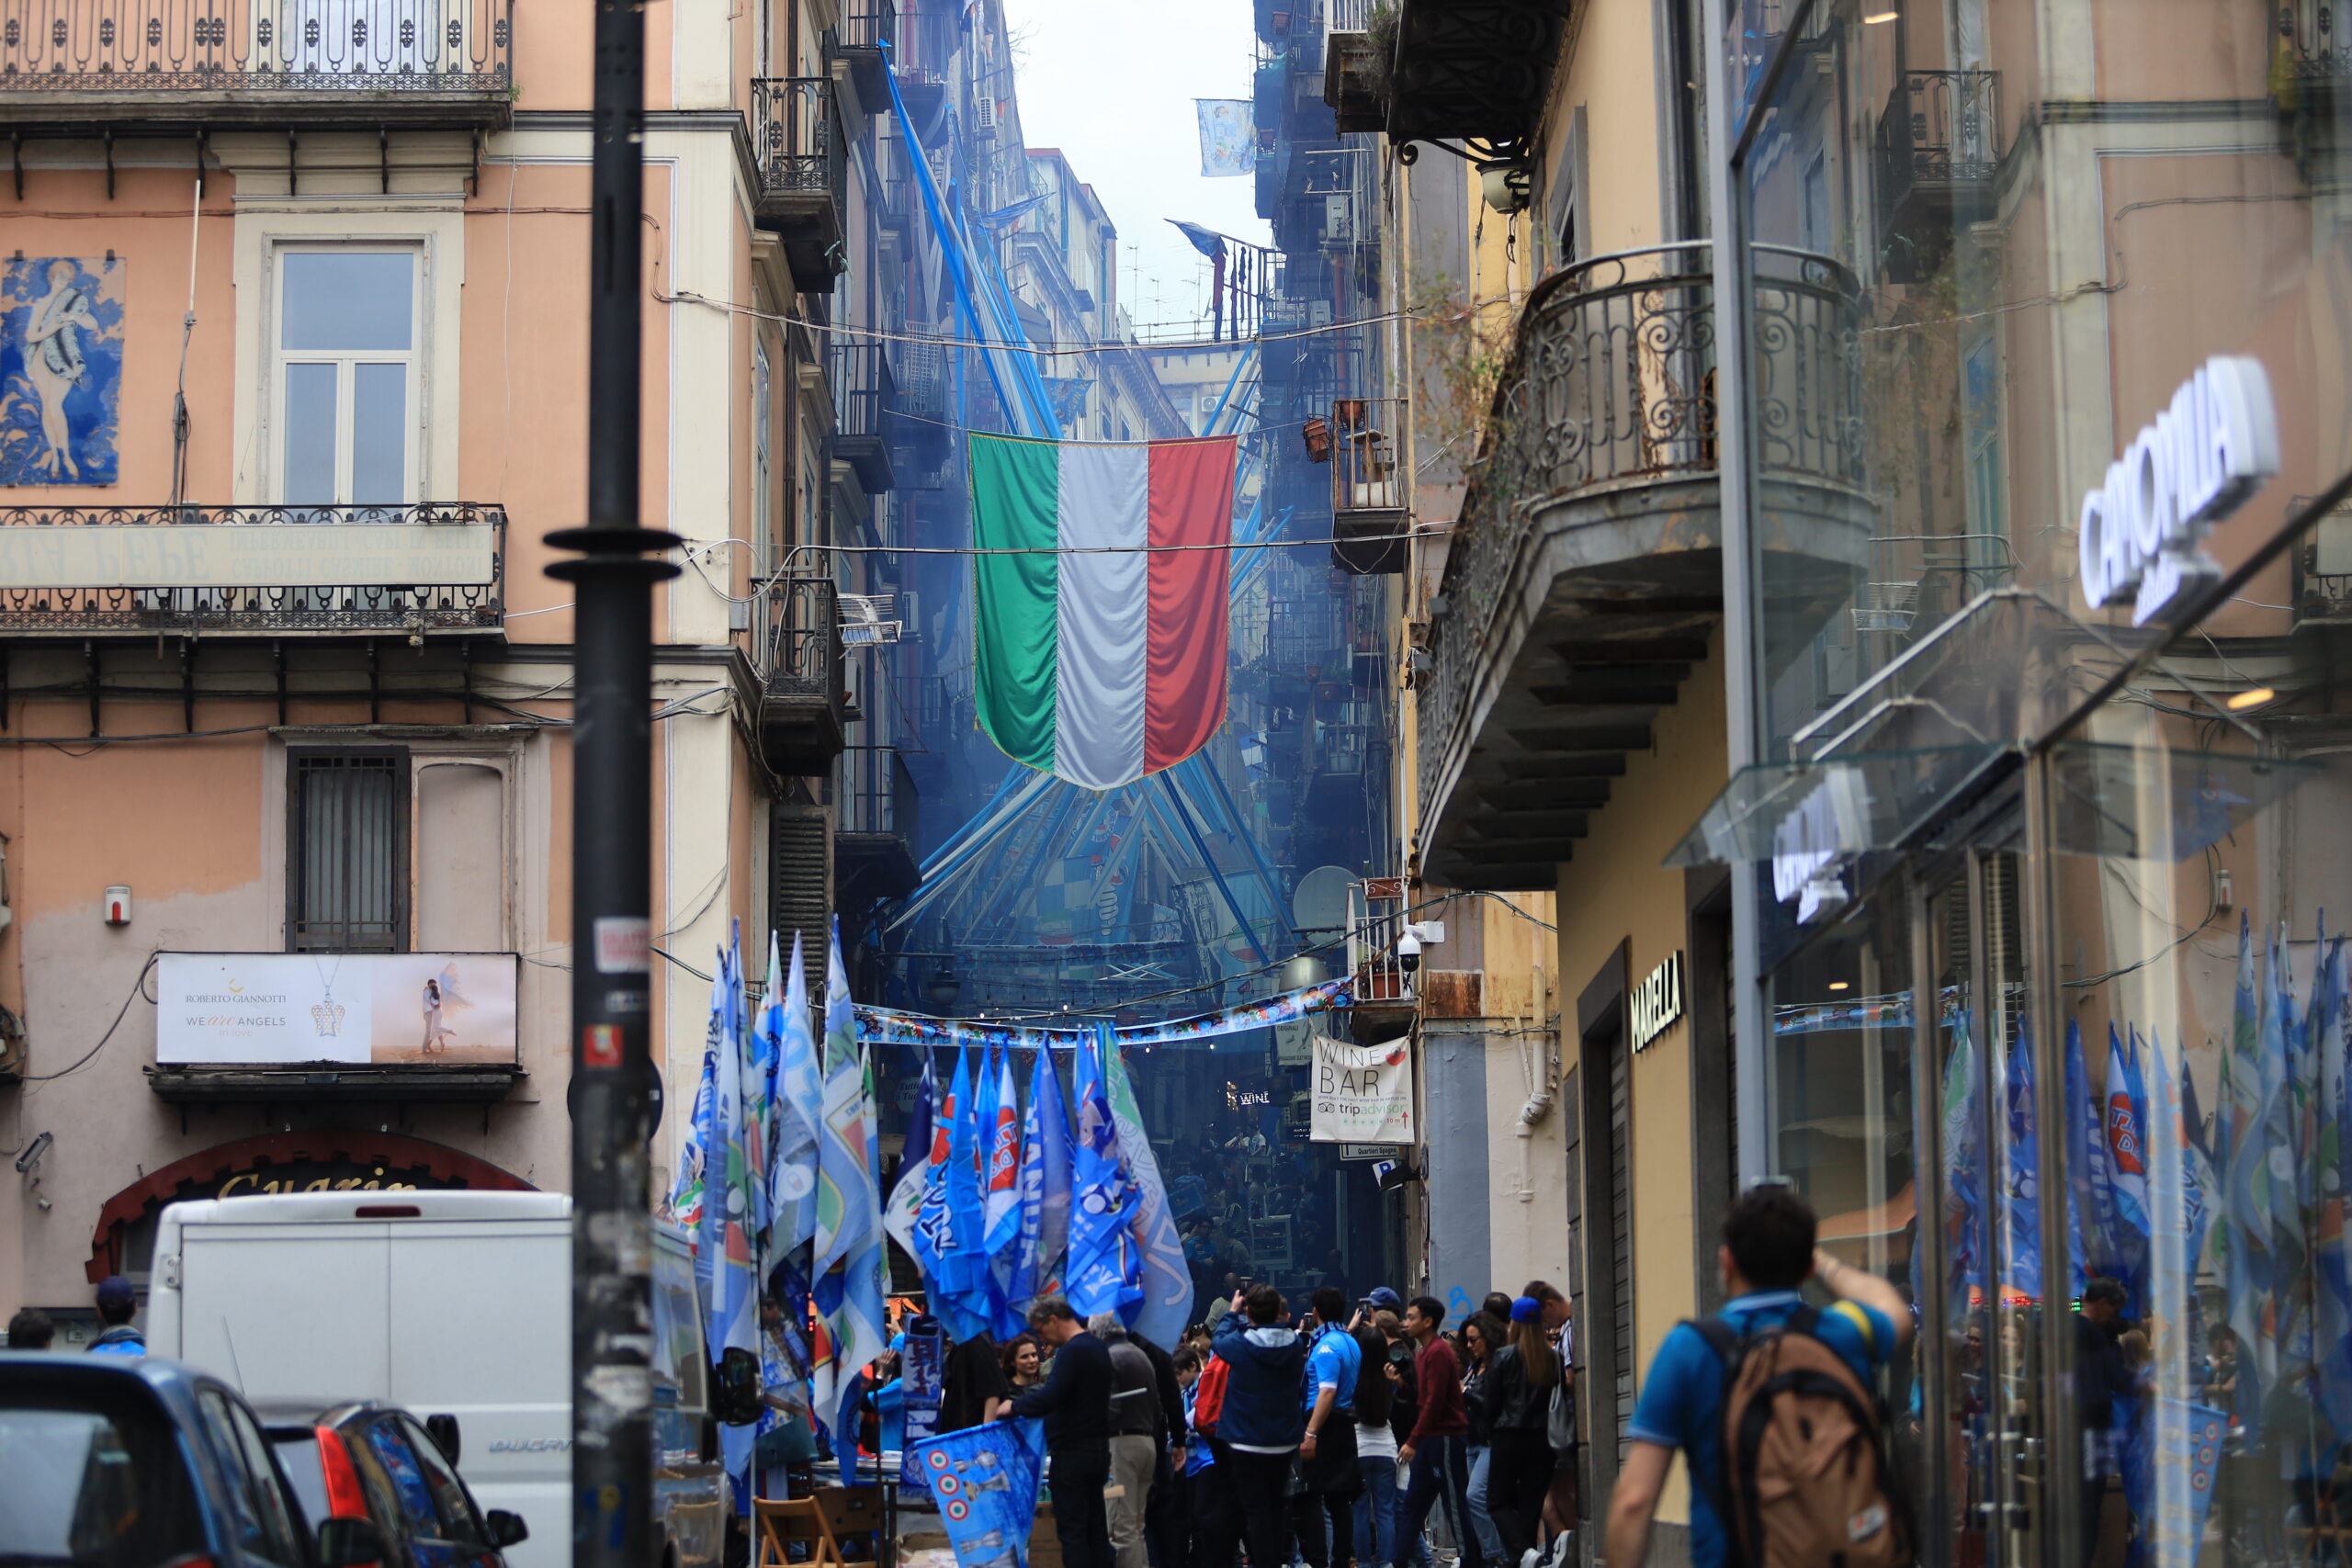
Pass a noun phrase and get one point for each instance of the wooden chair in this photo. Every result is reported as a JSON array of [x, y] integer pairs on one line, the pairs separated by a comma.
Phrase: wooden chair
[[846, 1511], [787, 1522]]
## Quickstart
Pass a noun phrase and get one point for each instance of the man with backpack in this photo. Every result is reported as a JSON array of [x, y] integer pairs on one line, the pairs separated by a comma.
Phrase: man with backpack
[[1808, 1481]]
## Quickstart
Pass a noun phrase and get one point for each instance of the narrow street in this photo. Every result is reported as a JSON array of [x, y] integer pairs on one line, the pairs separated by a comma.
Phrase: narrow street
[[1010, 784]]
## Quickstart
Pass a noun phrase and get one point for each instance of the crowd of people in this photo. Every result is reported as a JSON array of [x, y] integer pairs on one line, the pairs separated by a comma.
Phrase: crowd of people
[[1342, 1435]]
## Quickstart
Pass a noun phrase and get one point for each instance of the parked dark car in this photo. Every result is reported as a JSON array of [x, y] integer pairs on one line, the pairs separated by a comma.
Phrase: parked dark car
[[113, 1461], [370, 1460]]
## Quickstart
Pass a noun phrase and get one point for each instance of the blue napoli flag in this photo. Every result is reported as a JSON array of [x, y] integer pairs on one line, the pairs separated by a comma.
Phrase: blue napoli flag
[[2082, 1135], [963, 1260], [1045, 1191], [985, 1480], [2279, 1138], [1000, 1194], [2126, 1144], [2197, 1190], [1963, 1212], [693, 1154], [723, 1251], [1105, 1273], [2248, 1204], [2021, 1213], [980, 1288]]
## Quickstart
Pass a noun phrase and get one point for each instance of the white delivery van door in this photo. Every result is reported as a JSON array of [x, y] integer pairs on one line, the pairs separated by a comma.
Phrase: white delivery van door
[[291, 1312], [480, 1328]]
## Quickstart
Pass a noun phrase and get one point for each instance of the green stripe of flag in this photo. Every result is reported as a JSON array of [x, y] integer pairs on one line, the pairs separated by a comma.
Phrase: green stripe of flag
[[1015, 492]]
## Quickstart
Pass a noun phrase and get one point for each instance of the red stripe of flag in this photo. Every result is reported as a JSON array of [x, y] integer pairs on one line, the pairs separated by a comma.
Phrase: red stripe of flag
[[1192, 503]]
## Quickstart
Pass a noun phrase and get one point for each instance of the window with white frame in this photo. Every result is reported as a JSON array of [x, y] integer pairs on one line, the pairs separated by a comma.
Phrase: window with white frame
[[346, 358]]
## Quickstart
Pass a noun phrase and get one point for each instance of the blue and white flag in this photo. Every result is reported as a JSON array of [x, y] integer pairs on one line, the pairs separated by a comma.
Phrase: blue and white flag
[[1229, 136], [2021, 1211], [963, 1257], [1105, 1273], [2246, 1180], [902, 1217], [1166, 1306], [792, 1169], [685, 1204], [1044, 1189], [850, 1258], [723, 1251], [1000, 1195], [2126, 1144], [985, 1480], [2083, 1240]]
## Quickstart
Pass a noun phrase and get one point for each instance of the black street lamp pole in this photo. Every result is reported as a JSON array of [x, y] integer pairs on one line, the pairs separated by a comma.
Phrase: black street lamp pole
[[612, 1067]]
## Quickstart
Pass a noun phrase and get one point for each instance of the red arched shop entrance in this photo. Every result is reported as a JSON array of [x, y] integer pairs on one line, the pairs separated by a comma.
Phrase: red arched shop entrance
[[341, 1161]]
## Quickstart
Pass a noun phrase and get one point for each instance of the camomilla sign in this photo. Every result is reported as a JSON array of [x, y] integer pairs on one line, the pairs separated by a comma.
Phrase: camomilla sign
[[2195, 465]]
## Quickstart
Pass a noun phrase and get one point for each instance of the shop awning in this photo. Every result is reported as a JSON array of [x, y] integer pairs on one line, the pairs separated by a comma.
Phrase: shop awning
[[1818, 811]]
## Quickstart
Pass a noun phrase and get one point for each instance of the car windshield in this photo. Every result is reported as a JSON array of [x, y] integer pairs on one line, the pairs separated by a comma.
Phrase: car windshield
[[93, 1488], [297, 1456]]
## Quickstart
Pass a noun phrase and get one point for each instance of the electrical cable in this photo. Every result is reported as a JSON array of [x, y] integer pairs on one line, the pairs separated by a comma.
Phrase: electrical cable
[[138, 989]]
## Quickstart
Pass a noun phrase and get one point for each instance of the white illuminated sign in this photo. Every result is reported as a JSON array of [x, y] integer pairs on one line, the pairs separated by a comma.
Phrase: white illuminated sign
[[1657, 1002], [2195, 465], [249, 555]]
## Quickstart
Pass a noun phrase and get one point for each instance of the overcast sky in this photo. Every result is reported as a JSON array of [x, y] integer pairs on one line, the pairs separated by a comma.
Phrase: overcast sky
[[1112, 83]]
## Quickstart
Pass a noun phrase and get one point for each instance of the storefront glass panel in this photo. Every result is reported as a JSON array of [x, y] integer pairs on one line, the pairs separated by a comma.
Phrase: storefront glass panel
[[1992, 241], [2201, 879]]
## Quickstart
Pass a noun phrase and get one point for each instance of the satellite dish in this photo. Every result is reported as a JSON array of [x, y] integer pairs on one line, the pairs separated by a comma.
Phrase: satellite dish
[[1319, 906]]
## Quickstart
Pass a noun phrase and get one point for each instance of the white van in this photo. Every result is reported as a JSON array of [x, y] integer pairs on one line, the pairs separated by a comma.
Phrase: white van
[[454, 1303]]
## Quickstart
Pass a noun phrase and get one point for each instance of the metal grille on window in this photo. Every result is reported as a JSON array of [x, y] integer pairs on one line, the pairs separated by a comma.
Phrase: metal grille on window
[[349, 854]]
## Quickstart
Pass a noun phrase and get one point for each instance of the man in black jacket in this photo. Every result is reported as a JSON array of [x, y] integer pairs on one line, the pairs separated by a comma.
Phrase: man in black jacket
[[1075, 1400]]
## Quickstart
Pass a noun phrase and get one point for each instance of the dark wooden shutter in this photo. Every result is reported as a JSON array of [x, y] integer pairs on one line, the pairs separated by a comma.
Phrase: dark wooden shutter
[[800, 885]]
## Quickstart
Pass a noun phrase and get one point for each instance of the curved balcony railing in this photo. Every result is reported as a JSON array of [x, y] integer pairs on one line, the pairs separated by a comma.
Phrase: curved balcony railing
[[428, 566], [1611, 384], [113, 47]]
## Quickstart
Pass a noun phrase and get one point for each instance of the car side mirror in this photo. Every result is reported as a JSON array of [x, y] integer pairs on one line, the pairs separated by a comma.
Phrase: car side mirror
[[349, 1542], [443, 1430], [507, 1528]]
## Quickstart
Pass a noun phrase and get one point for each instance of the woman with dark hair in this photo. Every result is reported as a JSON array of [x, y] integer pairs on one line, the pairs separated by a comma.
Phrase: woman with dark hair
[[1481, 1336], [1517, 1400], [1024, 1368]]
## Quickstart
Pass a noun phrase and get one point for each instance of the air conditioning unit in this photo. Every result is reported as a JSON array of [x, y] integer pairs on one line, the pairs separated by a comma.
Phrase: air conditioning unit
[[865, 621], [1339, 220], [984, 113]]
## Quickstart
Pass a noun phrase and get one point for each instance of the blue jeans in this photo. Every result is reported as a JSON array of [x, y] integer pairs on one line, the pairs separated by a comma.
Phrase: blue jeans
[[1491, 1540], [1376, 1509], [1441, 1475]]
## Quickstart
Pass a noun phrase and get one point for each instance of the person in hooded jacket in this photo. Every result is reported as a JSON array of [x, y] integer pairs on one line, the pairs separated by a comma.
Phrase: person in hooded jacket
[[1260, 1422], [1515, 1397]]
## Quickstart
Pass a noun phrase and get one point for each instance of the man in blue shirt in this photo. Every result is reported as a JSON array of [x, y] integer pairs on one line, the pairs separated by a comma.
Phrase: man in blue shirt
[[118, 1304], [1768, 1250], [1328, 1479]]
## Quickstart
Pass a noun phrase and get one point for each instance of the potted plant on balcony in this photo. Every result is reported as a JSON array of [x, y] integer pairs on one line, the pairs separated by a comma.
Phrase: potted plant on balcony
[[1317, 434]]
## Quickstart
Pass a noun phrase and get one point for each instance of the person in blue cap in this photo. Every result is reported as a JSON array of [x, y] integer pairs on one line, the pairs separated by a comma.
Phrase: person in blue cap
[[118, 1304]]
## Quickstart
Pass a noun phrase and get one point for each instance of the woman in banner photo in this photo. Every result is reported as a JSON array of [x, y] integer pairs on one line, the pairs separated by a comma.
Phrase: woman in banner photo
[[55, 365]]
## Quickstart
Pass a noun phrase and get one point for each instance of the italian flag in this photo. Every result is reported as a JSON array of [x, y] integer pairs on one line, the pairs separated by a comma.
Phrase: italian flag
[[1106, 662]]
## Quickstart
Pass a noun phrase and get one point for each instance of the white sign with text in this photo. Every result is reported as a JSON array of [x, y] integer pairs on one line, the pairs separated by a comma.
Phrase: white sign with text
[[1361, 1094]]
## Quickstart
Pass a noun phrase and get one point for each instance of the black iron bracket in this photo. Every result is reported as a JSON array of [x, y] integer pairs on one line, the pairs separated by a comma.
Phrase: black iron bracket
[[90, 659], [187, 682]]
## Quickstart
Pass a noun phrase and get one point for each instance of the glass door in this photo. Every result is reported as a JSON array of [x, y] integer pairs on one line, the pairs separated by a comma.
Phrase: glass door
[[1988, 1489]]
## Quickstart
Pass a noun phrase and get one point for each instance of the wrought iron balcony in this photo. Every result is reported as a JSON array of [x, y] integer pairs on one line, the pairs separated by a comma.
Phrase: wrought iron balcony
[[864, 412], [1371, 484], [423, 570], [443, 62], [1472, 70], [1586, 573], [801, 150], [804, 706], [1937, 151], [866, 26], [876, 801]]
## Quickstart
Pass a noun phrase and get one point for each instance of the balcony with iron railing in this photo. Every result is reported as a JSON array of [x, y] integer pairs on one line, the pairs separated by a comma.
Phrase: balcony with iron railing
[[804, 703], [424, 569], [1937, 151], [875, 804], [279, 62], [1585, 576], [867, 28], [1370, 483], [1384, 999], [800, 150], [865, 410]]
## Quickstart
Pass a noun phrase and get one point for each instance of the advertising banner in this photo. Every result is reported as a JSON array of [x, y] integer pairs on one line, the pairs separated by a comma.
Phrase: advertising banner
[[241, 555], [1363, 1094], [985, 1480], [379, 1009]]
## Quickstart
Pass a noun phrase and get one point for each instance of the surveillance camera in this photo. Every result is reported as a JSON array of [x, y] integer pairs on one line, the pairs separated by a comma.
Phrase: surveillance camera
[[33, 1151], [1408, 951]]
